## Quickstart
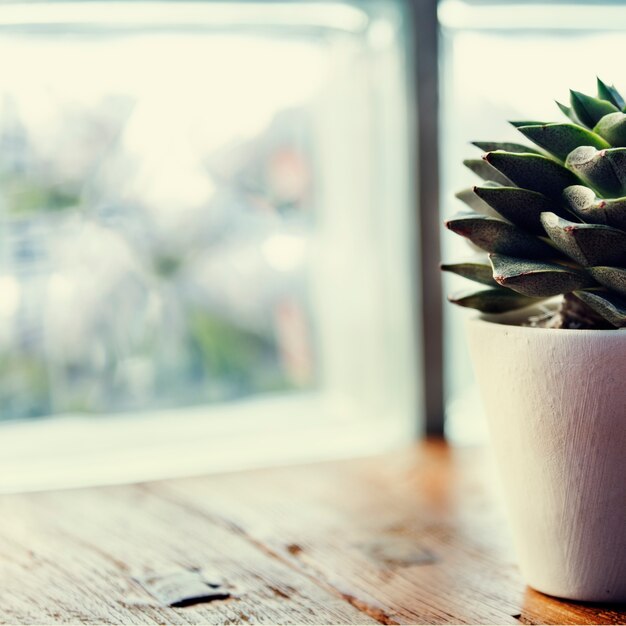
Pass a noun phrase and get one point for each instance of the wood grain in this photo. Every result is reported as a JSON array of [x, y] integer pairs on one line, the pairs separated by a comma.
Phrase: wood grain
[[75, 557], [416, 537]]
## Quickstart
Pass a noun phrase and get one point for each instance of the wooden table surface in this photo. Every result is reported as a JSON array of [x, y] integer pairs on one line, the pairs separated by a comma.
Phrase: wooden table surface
[[416, 537]]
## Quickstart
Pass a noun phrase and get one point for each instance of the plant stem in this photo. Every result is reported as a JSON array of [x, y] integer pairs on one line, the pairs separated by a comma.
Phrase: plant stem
[[575, 314], [571, 313]]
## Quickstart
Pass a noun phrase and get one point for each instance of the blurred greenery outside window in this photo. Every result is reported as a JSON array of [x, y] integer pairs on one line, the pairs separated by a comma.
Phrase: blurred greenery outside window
[[203, 203]]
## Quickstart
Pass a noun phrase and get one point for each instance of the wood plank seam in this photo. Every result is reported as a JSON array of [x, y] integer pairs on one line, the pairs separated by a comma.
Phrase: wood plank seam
[[368, 609], [409, 538]]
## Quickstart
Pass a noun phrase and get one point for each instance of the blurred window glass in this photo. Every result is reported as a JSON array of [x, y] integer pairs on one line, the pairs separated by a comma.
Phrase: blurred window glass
[[203, 203]]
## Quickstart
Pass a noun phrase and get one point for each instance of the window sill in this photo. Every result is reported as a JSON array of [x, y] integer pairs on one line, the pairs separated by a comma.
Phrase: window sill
[[414, 537], [78, 451]]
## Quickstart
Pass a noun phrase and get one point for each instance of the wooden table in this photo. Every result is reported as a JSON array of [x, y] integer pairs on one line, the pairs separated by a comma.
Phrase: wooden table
[[416, 537]]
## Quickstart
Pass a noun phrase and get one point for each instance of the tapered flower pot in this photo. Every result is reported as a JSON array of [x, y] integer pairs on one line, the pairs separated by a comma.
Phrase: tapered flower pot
[[556, 405]]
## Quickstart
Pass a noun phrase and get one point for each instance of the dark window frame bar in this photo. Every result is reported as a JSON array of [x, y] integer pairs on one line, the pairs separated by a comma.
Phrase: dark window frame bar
[[423, 41]]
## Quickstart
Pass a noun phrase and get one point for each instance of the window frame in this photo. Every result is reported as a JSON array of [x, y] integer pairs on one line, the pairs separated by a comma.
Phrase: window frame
[[111, 448], [424, 26]]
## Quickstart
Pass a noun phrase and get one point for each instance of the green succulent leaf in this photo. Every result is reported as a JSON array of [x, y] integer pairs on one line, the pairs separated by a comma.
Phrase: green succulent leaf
[[478, 272], [536, 278], [494, 235], [552, 218], [496, 300], [613, 128], [518, 123], [567, 111], [560, 139], [604, 170], [520, 206], [481, 168], [610, 306], [612, 277], [588, 109], [608, 92], [533, 171], [507, 146], [474, 202], [587, 244], [584, 203]]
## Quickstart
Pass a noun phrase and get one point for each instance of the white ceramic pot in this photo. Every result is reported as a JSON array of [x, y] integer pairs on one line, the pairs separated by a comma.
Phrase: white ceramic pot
[[556, 405]]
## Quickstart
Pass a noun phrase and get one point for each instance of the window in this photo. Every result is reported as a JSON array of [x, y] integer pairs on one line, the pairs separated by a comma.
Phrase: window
[[496, 57], [205, 236]]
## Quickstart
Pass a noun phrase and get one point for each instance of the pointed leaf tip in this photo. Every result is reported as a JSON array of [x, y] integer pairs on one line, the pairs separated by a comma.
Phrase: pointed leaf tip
[[507, 146], [588, 109], [610, 93], [533, 171], [494, 235], [614, 278], [518, 123], [520, 206], [610, 306], [495, 300], [587, 244], [568, 112], [482, 168], [560, 139], [478, 272], [537, 278]]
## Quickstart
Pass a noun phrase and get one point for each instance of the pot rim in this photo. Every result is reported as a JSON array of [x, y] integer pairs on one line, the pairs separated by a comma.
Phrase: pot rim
[[582, 332]]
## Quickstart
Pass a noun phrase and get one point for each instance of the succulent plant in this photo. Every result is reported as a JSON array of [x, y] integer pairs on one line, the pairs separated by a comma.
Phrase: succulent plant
[[552, 218]]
